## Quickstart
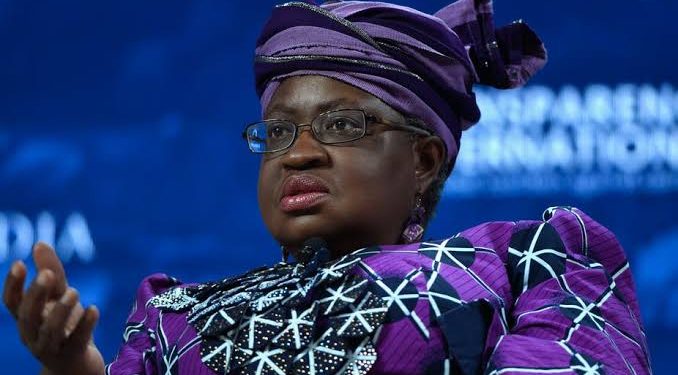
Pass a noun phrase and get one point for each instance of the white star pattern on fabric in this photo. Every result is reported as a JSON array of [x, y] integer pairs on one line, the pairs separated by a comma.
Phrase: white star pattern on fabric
[[226, 349], [268, 299], [299, 291], [393, 296], [254, 323], [434, 296], [361, 359], [455, 255], [310, 359], [361, 315], [336, 270], [296, 324], [585, 312], [340, 294], [442, 252], [265, 363], [584, 235], [230, 320], [580, 364], [586, 368], [531, 255]]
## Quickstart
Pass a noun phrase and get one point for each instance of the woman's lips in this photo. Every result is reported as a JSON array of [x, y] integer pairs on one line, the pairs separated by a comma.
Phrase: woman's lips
[[301, 202], [302, 192]]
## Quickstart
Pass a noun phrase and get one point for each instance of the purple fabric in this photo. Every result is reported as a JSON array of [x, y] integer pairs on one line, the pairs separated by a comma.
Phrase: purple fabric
[[551, 296], [422, 65]]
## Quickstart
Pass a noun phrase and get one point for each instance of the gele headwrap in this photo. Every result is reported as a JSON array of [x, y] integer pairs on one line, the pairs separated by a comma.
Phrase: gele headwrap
[[422, 65]]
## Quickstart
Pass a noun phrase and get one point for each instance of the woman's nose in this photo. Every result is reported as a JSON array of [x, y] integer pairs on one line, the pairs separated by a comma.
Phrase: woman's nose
[[306, 151]]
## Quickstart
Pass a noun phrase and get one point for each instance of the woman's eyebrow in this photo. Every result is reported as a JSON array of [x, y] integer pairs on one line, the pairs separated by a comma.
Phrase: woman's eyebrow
[[278, 109], [346, 103], [337, 103]]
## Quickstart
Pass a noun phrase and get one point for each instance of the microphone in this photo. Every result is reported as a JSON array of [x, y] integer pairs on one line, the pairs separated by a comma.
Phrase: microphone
[[313, 253]]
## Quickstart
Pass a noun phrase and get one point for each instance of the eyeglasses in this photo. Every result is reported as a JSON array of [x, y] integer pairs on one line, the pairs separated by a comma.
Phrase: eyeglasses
[[338, 126]]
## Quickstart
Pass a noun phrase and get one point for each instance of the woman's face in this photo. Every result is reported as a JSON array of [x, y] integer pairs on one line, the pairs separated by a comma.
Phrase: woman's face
[[352, 194]]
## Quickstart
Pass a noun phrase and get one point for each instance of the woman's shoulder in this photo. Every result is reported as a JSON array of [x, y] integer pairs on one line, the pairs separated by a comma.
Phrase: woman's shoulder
[[564, 239], [156, 283], [564, 228], [150, 288], [566, 244]]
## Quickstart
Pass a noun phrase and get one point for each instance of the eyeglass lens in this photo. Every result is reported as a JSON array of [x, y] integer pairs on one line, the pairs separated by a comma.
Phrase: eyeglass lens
[[331, 127]]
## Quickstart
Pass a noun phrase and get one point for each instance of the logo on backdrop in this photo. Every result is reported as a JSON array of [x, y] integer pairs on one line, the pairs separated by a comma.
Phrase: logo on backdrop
[[587, 141], [71, 238]]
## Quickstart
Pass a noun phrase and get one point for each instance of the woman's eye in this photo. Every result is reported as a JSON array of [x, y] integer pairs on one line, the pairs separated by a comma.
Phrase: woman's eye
[[341, 124], [278, 131]]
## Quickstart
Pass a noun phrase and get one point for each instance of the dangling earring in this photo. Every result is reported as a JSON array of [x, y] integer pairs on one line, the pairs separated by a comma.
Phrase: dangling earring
[[414, 229], [285, 254]]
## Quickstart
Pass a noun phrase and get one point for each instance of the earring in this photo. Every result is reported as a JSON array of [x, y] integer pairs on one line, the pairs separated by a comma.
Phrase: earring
[[413, 229], [285, 254]]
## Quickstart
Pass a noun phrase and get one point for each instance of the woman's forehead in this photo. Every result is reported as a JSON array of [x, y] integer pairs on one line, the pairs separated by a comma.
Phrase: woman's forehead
[[317, 94]]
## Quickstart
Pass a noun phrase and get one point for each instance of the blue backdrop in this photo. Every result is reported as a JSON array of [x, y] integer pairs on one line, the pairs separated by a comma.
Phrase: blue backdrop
[[120, 143]]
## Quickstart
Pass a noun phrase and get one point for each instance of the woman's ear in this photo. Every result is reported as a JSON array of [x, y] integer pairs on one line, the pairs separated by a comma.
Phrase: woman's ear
[[429, 158]]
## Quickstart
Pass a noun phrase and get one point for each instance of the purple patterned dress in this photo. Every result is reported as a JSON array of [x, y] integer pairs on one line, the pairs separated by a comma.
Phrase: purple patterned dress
[[553, 296]]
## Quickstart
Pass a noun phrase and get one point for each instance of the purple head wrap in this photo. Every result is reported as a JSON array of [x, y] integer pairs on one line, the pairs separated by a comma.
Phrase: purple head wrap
[[422, 65]]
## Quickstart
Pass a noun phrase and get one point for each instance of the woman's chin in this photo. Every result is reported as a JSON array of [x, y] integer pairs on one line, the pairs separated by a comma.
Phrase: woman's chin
[[298, 229]]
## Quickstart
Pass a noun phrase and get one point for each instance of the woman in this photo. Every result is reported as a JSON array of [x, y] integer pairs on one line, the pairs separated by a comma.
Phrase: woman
[[363, 106]]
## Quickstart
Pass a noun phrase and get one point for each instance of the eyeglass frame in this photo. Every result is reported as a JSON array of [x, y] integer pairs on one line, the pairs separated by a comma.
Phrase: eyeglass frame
[[366, 118]]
